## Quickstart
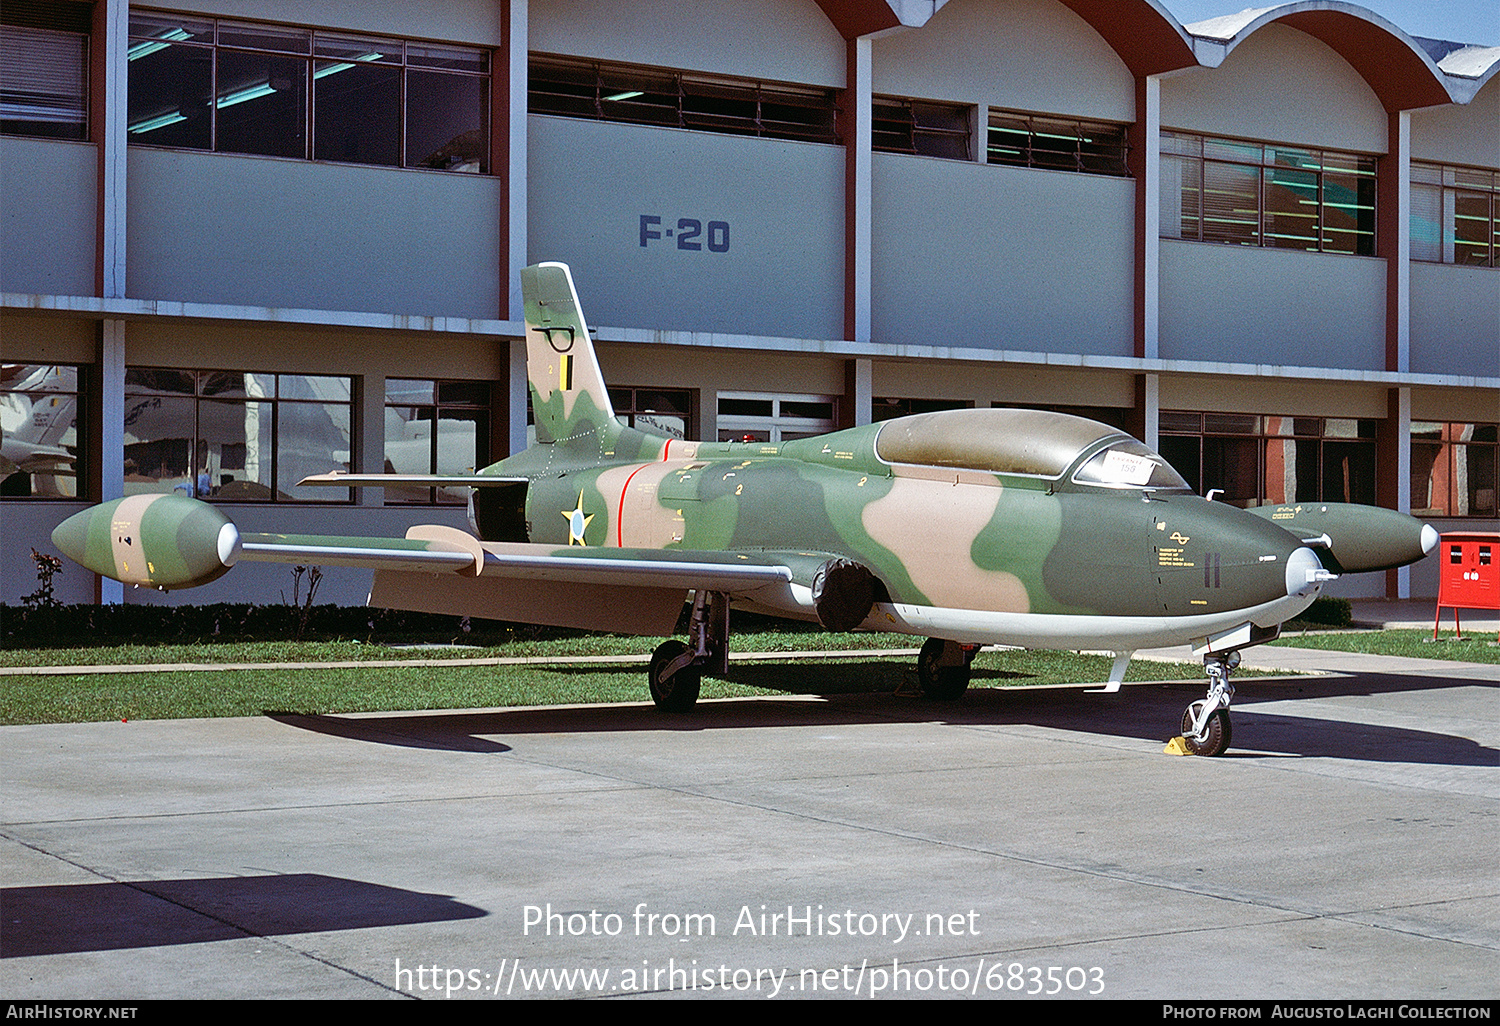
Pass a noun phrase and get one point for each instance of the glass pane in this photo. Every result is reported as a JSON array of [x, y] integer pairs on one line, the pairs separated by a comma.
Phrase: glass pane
[[1183, 453], [1471, 228], [262, 104], [1429, 478], [1291, 209], [1009, 140], [446, 118], [1349, 472], [153, 381], [744, 407], [408, 449], [148, 32], [451, 57], [364, 49], [402, 390], [1349, 214], [1426, 223], [467, 393], [311, 438], [234, 450], [160, 431], [265, 37], [170, 88], [44, 88], [462, 448], [1232, 464], [39, 422], [1054, 144], [1291, 471], [1181, 198], [357, 112], [1231, 203]]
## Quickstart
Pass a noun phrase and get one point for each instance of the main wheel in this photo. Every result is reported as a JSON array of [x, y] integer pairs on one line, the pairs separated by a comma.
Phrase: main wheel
[[679, 692], [1216, 739], [941, 683]]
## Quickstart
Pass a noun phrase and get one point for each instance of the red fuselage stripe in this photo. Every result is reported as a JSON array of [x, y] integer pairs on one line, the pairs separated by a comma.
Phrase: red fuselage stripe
[[620, 515]]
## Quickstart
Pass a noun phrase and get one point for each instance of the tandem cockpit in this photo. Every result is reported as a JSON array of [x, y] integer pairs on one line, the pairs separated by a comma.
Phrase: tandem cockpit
[[1056, 450]]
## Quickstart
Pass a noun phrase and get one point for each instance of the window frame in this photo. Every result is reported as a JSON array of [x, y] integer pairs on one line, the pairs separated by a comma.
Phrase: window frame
[[1197, 154], [202, 395], [320, 56], [1448, 443], [65, 26], [1109, 159], [81, 448], [639, 94], [1447, 182], [483, 456]]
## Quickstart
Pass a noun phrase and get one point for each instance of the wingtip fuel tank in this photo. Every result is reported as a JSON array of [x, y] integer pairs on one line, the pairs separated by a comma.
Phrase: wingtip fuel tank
[[1354, 539], [159, 541]]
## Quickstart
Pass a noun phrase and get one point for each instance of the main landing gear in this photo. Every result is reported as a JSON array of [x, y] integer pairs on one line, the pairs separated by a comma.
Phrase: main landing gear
[[943, 669], [677, 670], [1205, 723]]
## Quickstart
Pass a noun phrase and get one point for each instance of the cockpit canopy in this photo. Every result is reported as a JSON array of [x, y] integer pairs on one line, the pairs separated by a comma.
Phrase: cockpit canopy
[[1030, 443]]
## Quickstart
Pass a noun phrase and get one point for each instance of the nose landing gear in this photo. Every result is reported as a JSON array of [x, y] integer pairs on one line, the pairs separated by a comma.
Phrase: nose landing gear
[[1205, 723]]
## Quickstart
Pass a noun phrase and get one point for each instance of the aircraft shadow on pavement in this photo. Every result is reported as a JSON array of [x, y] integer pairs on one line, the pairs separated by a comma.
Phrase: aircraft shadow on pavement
[[1144, 712], [70, 918]]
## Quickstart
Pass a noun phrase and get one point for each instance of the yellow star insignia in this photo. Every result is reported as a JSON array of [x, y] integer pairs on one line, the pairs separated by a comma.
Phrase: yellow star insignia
[[578, 522]]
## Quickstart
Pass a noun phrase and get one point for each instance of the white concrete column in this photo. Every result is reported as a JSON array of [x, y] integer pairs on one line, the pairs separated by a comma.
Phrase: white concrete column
[[110, 431], [1400, 402], [517, 39], [111, 74], [1398, 238], [857, 186], [859, 378], [371, 436], [1150, 225], [516, 402], [1150, 400]]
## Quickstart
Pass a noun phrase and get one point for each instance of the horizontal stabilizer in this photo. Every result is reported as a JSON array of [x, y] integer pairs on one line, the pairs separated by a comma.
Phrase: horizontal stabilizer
[[339, 480]]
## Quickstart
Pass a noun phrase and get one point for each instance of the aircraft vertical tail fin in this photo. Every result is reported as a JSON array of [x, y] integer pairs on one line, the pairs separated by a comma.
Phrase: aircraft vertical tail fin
[[568, 395]]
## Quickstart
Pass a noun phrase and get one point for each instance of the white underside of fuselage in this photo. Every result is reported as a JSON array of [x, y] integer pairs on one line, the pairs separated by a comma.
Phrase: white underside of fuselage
[[1051, 630]]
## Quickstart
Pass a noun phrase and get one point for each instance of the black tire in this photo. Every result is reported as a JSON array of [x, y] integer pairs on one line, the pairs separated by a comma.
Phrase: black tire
[[679, 692], [1216, 742], [940, 683]]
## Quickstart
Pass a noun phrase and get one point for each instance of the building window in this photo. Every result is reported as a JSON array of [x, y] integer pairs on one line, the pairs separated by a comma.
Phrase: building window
[[1254, 460], [1455, 215], [642, 95], [44, 69], [1268, 195], [1453, 470], [921, 127], [435, 427], [754, 417], [244, 87], [662, 411], [40, 434], [891, 407], [1057, 144], [235, 436]]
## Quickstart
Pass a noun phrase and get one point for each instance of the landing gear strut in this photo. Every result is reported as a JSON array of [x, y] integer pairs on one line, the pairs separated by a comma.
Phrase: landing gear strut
[[1205, 723], [677, 670]]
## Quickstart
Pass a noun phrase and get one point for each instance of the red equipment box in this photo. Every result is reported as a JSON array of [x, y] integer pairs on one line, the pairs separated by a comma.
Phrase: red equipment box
[[1468, 575]]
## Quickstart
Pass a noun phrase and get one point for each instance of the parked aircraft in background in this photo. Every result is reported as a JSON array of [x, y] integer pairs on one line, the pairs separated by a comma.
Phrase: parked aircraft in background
[[965, 527]]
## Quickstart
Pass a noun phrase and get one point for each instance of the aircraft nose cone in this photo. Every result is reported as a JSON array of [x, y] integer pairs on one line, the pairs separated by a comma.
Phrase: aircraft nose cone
[[1305, 573], [1429, 538]]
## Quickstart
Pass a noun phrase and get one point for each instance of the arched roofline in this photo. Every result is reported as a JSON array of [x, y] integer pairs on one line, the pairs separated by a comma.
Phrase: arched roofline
[[1399, 71], [1148, 39], [1470, 69]]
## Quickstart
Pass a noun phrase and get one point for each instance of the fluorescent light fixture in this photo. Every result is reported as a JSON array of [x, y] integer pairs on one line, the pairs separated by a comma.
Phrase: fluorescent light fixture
[[334, 69], [145, 49], [241, 95], [160, 121], [625, 96]]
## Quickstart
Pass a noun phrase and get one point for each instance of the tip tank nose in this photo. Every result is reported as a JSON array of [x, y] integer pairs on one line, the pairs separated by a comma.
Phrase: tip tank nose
[[1305, 573]]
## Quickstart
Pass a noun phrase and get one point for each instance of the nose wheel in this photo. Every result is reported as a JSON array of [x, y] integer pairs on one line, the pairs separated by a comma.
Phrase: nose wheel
[[1205, 723]]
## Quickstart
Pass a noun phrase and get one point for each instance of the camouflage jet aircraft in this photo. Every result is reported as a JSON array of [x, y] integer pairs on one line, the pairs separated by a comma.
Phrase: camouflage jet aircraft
[[965, 527]]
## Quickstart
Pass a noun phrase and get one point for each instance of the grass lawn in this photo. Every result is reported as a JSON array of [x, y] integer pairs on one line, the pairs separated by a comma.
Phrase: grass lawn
[[176, 693]]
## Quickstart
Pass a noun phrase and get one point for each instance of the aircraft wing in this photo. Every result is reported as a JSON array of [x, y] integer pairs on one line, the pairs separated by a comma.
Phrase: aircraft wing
[[171, 541]]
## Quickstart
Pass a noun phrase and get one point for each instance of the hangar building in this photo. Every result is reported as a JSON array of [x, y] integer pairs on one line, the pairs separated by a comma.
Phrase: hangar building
[[241, 243]]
